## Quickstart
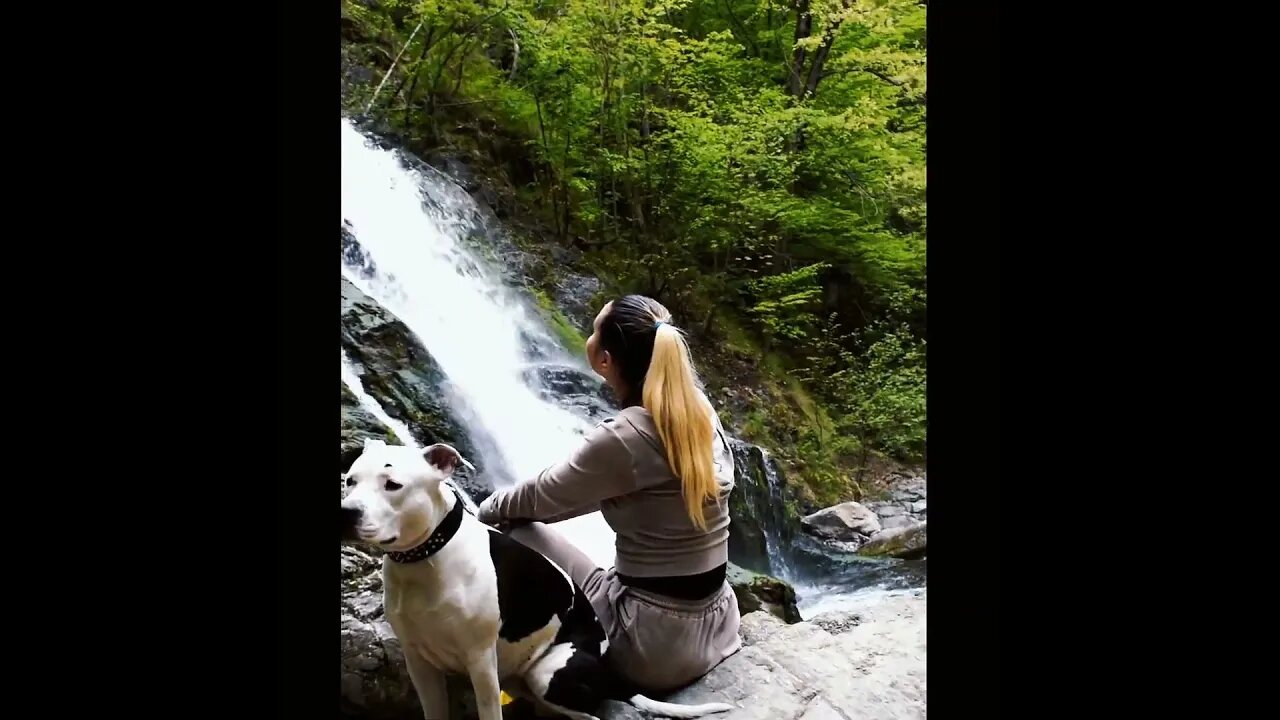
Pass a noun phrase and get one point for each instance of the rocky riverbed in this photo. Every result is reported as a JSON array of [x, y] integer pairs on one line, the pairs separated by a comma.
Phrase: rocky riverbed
[[895, 525]]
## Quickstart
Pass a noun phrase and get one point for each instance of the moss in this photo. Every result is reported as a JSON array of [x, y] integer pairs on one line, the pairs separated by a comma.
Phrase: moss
[[755, 591], [565, 332]]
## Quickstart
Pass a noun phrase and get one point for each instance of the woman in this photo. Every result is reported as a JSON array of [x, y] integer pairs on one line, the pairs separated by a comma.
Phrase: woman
[[660, 472]]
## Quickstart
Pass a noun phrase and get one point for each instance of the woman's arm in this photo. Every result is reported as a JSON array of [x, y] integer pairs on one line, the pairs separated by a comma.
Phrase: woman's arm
[[600, 469], [585, 509]]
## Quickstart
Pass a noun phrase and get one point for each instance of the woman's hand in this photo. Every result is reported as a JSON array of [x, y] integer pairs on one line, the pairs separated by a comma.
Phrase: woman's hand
[[486, 514]]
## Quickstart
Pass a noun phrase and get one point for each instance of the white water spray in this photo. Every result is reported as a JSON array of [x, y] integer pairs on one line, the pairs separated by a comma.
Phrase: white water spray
[[352, 380], [368, 402], [411, 226]]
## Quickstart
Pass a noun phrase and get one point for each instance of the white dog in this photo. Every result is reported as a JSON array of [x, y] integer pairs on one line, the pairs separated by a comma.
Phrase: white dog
[[464, 598]]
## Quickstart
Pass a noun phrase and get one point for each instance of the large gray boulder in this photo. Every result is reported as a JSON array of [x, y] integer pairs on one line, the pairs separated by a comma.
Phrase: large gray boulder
[[866, 662], [907, 542], [848, 522]]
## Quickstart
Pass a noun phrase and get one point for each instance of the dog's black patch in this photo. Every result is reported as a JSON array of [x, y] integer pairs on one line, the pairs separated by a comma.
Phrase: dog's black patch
[[530, 589], [580, 627], [581, 684]]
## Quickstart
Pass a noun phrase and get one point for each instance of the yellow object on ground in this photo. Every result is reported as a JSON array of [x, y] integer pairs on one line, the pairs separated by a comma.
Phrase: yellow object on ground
[[505, 698]]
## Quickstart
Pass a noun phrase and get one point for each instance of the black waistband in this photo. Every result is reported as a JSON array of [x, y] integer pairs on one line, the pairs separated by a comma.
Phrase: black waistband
[[680, 587]]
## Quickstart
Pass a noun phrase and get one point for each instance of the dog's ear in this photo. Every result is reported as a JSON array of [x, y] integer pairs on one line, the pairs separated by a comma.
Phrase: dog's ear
[[445, 457], [373, 443]]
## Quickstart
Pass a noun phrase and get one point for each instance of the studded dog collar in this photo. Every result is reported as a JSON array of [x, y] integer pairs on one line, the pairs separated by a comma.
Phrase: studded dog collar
[[438, 538]]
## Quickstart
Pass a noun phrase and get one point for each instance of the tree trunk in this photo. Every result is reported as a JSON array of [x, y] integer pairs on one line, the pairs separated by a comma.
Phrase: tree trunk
[[547, 162], [804, 28], [564, 179], [462, 64], [820, 57]]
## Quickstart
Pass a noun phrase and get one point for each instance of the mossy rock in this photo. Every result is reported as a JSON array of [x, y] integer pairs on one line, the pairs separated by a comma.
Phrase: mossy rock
[[763, 592], [569, 336], [906, 543], [357, 425]]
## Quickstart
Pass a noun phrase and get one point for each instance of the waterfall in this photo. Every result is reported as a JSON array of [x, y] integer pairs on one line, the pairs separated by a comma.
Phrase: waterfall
[[775, 522], [402, 433], [414, 227], [368, 402]]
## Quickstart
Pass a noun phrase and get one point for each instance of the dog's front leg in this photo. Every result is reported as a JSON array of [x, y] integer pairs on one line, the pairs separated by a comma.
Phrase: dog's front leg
[[430, 685], [483, 669]]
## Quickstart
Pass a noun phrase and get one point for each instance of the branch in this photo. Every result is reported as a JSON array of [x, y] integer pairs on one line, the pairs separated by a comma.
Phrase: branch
[[465, 102], [870, 71], [386, 75], [515, 58], [738, 24]]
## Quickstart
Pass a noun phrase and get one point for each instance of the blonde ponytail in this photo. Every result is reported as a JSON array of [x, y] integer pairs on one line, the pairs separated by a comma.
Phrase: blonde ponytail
[[683, 417]]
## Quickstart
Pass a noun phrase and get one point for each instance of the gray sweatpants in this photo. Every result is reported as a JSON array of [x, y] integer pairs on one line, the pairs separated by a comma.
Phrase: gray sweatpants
[[656, 642]]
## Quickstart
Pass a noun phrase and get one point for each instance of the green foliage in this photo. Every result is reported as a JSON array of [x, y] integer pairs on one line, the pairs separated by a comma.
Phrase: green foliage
[[785, 303], [756, 165], [878, 393]]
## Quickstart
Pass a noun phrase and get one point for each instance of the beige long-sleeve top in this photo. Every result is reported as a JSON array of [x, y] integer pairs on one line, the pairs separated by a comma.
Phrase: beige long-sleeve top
[[622, 471]]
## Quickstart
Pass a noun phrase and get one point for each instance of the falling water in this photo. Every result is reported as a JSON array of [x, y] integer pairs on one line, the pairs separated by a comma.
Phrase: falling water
[[367, 401], [411, 223], [779, 560], [352, 380]]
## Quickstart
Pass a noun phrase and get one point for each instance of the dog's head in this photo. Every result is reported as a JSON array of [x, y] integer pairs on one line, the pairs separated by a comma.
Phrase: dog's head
[[394, 495]]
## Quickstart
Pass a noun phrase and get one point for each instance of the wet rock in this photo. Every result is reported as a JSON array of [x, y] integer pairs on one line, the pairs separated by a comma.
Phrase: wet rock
[[456, 165], [902, 542], [762, 592], [574, 389], [396, 370], [847, 522], [576, 297], [357, 425], [757, 508], [563, 380], [355, 256]]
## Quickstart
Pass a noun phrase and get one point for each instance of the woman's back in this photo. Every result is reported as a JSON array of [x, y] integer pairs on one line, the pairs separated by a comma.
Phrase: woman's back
[[655, 534]]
